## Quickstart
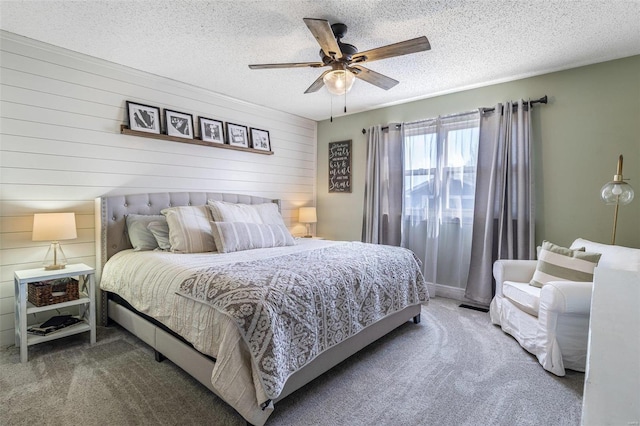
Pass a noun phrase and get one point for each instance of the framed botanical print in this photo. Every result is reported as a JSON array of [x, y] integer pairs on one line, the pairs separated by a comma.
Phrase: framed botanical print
[[260, 139], [211, 130], [179, 124], [237, 135], [143, 118]]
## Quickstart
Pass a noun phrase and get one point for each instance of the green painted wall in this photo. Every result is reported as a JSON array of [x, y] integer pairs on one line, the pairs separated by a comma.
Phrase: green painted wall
[[593, 115]]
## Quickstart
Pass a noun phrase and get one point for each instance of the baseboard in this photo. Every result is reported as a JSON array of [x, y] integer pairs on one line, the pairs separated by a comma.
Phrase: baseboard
[[448, 292], [455, 293]]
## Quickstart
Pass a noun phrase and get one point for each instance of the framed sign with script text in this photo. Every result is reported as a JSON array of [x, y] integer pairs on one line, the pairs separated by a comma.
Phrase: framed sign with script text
[[340, 166]]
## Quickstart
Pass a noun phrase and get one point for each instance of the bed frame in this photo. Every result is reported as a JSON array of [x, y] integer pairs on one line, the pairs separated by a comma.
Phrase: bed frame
[[111, 237]]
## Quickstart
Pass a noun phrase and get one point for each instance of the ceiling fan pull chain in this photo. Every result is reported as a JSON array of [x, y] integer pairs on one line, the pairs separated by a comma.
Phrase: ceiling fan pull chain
[[345, 102], [345, 85], [331, 97]]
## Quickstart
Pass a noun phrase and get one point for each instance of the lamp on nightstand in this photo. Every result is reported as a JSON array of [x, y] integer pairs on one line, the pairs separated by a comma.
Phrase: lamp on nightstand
[[54, 227], [307, 215]]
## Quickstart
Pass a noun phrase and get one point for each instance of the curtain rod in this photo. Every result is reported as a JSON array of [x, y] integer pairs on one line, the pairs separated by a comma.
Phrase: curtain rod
[[542, 100]]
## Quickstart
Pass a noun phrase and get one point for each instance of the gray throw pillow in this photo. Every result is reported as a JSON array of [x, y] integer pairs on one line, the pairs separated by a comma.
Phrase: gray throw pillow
[[141, 238], [160, 231]]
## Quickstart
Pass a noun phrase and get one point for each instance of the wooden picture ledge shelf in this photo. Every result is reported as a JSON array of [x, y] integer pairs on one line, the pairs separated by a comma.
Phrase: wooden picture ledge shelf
[[125, 130]]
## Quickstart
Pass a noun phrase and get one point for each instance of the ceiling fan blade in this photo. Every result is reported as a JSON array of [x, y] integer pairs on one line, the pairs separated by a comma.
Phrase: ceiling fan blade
[[321, 30], [317, 85], [373, 77], [289, 65], [406, 47]]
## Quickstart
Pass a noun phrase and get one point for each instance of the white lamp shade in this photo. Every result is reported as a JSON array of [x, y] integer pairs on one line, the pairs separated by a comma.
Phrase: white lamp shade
[[339, 81], [307, 215], [54, 226]]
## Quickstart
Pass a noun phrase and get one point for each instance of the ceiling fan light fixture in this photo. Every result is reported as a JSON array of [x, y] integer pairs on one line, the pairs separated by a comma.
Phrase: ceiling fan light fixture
[[338, 82]]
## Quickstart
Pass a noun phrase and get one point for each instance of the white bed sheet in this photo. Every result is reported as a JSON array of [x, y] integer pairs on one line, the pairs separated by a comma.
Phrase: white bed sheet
[[148, 280]]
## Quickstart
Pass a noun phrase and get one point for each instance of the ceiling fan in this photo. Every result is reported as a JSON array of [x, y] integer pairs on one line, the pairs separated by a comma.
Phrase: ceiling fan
[[344, 59]]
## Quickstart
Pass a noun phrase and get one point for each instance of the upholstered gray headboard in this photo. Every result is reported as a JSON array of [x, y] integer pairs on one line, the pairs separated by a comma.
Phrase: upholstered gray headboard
[[111, 213]]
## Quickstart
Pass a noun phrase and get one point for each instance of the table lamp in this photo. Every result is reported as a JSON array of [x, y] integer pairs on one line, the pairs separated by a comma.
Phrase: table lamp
[[307, 215], [54, 227], [617, 192]]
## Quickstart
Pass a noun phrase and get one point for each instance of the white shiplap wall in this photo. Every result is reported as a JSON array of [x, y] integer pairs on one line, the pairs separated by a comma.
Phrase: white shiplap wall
[[61, 147]]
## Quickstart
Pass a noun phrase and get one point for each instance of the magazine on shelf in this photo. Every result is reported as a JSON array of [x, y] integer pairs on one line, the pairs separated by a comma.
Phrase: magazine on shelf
[[54, 324]]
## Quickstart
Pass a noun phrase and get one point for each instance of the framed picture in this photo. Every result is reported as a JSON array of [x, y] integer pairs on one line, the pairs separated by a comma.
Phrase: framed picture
[[178, 124], [340, 166], [260, 139], [237, 135], [143, 118], [211, 130]]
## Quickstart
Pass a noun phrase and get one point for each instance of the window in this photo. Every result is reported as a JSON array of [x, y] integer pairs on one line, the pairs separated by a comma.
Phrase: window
[[440, 169]]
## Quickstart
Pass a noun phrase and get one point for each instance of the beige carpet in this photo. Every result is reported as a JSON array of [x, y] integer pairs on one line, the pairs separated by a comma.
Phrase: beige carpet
[[454, 368]]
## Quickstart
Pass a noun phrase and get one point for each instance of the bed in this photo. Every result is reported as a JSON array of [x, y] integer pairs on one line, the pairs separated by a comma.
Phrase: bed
[[239, 322]]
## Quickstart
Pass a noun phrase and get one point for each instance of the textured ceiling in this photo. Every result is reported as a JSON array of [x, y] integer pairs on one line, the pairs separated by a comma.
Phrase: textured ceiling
[[210, 43]]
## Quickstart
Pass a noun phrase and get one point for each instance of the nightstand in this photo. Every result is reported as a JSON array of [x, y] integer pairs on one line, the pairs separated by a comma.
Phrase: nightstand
[[86, 301]]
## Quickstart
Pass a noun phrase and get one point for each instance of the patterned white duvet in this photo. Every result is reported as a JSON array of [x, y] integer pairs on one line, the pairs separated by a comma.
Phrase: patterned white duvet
[[252, 308]]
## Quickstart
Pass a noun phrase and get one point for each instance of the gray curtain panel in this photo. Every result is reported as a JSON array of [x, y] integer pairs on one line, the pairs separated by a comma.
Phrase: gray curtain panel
[[382, 222], [504, 212]]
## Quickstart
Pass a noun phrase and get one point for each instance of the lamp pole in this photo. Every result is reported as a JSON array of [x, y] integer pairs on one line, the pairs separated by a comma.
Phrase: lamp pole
[[615, 220], [617, 177], [617, 192]]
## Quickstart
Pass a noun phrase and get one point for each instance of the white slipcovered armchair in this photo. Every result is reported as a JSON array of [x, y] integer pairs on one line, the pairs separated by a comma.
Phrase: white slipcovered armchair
[[552, 322]]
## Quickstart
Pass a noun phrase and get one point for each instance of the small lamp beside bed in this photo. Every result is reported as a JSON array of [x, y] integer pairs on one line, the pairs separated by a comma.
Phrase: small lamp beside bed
[[54, 227], [307, 215]]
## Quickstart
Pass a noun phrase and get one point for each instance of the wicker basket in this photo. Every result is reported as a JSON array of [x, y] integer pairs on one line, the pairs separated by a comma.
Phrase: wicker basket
[[45, 293]]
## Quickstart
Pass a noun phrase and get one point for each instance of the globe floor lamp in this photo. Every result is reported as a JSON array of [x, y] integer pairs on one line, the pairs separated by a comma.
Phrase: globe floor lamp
[[617, 192]]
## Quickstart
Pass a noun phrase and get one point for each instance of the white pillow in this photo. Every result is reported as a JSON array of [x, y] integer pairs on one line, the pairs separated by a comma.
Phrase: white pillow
[[269, 213], [189, 229], [238, 236], [230, 212], [613, 257]]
